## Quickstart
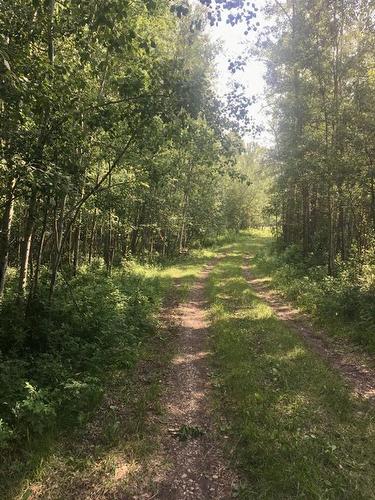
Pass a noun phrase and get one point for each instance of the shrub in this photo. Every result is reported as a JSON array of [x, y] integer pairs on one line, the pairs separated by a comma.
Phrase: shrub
[[35, 413], [53, 366], [6, 434], [348, 297]]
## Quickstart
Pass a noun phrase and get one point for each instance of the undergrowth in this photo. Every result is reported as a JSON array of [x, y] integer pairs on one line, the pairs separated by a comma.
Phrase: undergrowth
[[54, 361], [58, 362], [344, 303]]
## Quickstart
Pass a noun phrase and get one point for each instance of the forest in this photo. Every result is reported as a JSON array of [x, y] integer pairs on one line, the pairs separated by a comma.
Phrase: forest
[[159, 241]]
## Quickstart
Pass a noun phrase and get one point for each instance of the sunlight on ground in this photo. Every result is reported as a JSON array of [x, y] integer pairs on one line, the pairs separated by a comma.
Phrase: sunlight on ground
[[189, 358], [295, 426], [123, 470], [294, 353]]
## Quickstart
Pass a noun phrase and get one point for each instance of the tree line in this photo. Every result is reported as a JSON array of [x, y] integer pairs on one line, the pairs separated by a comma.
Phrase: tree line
[[113, 141], [115, 152], [321, 88]]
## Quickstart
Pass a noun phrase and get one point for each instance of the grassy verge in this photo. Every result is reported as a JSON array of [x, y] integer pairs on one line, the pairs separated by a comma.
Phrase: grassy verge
[[344, 305], [87, 401], [295, 430]]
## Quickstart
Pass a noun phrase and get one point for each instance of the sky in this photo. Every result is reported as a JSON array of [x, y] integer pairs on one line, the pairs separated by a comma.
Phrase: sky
[[233, 41]]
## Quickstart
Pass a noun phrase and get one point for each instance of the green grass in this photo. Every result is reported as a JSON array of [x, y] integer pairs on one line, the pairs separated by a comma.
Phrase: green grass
[[295, 429]]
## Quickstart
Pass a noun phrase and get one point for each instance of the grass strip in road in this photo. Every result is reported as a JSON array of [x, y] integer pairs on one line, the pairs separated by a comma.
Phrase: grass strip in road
[[294, 429]]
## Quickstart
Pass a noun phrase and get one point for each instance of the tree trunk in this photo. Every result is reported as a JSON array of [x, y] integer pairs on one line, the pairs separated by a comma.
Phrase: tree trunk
[[92, 236], [38, 261], [6, 225], [372, 187], [341, 230], [108, 253], [26, 246], [306, 221], [76, 245], [59, 240], [331, 236]]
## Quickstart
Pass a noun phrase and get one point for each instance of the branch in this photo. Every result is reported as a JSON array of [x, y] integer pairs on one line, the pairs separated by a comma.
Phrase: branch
[[284, 10], [75, 210], [119, 101]]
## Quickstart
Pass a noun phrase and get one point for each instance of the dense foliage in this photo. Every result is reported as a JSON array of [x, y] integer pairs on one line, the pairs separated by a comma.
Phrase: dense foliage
[[321, 87], [111, 134], [113, 146], [56, 362], [344, 304], [116, 150], [320, 76]]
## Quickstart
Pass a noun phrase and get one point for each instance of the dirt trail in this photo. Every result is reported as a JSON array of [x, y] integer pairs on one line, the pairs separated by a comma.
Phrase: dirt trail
[[356, 367], [188, 461], [197, 468]]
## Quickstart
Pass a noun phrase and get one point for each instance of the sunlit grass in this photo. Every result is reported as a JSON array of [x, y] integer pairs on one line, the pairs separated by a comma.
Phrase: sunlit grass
[[336, 304], [295, 430]]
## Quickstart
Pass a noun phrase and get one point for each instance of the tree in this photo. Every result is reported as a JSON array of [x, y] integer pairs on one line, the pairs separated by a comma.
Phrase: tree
[[319, 58]]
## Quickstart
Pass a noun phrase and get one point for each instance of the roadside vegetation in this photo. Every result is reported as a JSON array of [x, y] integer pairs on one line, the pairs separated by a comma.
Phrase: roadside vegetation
[[84, 398], [344, 303], [294, 429], [320, 87], [120, 164], [117, 156]]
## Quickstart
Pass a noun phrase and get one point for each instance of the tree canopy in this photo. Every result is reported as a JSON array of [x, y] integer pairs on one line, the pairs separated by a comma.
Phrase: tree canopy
[[320, 75], [113, 141]]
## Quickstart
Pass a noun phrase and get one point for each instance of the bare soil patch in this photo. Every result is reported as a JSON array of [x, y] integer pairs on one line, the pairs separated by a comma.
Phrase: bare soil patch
[[195, 463], [356, 367]]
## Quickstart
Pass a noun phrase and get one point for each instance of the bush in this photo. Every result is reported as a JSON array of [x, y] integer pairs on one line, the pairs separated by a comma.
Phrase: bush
[[347, 298], [6, 434], [35, 413], [55, 363]]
